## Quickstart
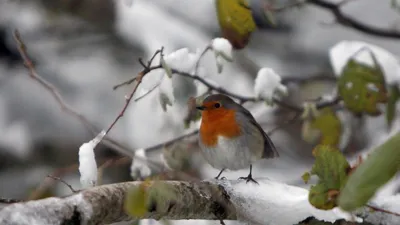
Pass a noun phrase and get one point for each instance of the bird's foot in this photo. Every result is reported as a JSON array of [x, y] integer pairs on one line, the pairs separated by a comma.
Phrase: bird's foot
[[248, 178], [222, 178]]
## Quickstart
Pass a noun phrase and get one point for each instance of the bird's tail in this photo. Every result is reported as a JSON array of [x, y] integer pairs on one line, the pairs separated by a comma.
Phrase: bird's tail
[[269, 149]]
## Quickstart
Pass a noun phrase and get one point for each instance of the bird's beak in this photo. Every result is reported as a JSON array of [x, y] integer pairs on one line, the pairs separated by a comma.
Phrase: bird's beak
[[200, 107]]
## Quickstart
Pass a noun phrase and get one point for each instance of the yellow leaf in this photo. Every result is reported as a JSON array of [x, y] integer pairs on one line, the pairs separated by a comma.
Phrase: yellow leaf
[[236, 21], [308, 133], [362, 87], [325, 127], [330, 127], [137, 200], [306, 177], [151, 196]]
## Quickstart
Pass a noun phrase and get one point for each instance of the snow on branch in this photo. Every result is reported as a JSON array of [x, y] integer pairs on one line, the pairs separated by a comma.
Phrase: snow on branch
[[206, 200], [267, 83], [87, 161]]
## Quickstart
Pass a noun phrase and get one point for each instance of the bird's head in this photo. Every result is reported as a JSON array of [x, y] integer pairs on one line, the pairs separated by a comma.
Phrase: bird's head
[[217, 105]]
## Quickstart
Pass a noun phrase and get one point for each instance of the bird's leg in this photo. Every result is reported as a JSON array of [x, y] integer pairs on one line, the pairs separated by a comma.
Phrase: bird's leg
[[220, 172], [249, 177]]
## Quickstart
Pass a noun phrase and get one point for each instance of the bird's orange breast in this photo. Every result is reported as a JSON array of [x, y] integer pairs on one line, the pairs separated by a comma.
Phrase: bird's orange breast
[[221, 122]]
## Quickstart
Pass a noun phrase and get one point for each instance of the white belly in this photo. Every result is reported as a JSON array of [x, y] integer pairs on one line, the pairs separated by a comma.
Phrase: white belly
[[229, 154]]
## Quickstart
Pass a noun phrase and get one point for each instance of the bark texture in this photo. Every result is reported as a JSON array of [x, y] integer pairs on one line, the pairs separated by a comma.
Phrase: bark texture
[[205, 200]]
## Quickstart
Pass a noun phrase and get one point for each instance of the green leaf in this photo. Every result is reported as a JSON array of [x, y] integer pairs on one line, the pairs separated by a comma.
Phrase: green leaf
[[325, 126], [380, 166], [306, 177], [331, 168], [394, 96], [362, 87]]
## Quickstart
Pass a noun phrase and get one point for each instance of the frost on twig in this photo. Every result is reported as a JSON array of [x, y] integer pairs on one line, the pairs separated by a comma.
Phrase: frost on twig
[[87, 161], [139, 168], [223, 51], [267, 84]]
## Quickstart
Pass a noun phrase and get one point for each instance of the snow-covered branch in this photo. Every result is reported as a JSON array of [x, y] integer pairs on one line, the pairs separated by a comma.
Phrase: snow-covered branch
[[239, 97], [105, 204], [268, 203]]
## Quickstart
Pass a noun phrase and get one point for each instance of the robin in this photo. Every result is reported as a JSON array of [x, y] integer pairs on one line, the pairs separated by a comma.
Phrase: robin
[[230, 137]]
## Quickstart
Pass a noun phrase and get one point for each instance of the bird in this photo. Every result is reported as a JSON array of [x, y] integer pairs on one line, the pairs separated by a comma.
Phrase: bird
[[229, 136]]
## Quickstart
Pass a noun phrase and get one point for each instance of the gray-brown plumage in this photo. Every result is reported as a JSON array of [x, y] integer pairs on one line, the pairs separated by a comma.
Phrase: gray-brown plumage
[[230, 137]]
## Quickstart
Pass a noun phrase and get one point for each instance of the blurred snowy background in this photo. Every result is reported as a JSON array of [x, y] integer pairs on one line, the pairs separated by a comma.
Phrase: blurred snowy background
[[86, 47]]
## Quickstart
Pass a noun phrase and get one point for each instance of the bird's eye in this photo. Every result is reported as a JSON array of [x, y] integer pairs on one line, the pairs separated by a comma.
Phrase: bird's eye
[[217, 105]]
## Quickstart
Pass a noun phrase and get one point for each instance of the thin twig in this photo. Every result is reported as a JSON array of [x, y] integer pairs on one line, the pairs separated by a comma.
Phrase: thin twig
[[52, 90], [149, 91], [288, 122], [138, 81], [243, 99], [64, 182], [9, 200], [172, 141], [47, 183], [347, 21], [290, 5], [303, 78], [196, 68], [130, 81], [382, 210], [22, 49]]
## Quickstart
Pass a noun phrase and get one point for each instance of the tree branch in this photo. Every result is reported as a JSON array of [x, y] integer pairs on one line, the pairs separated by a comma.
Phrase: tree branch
[[241, 98], [350, 22], [206, 200], [22, 49], [105, 204]]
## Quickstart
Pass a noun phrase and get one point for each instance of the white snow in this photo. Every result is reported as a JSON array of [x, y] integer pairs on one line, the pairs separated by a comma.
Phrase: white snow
[[347, 120], [87, 161], [165, 92], [341, 52], [223, 47], [223, 52], [349, 85], [267, 83], [182, 59], [139, 166], [390, 203], [32, 213], [178, 88], [276, 203], [372, 87]]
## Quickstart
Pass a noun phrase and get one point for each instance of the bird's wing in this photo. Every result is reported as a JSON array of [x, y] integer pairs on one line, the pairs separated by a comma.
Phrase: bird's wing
[[269, 147]]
